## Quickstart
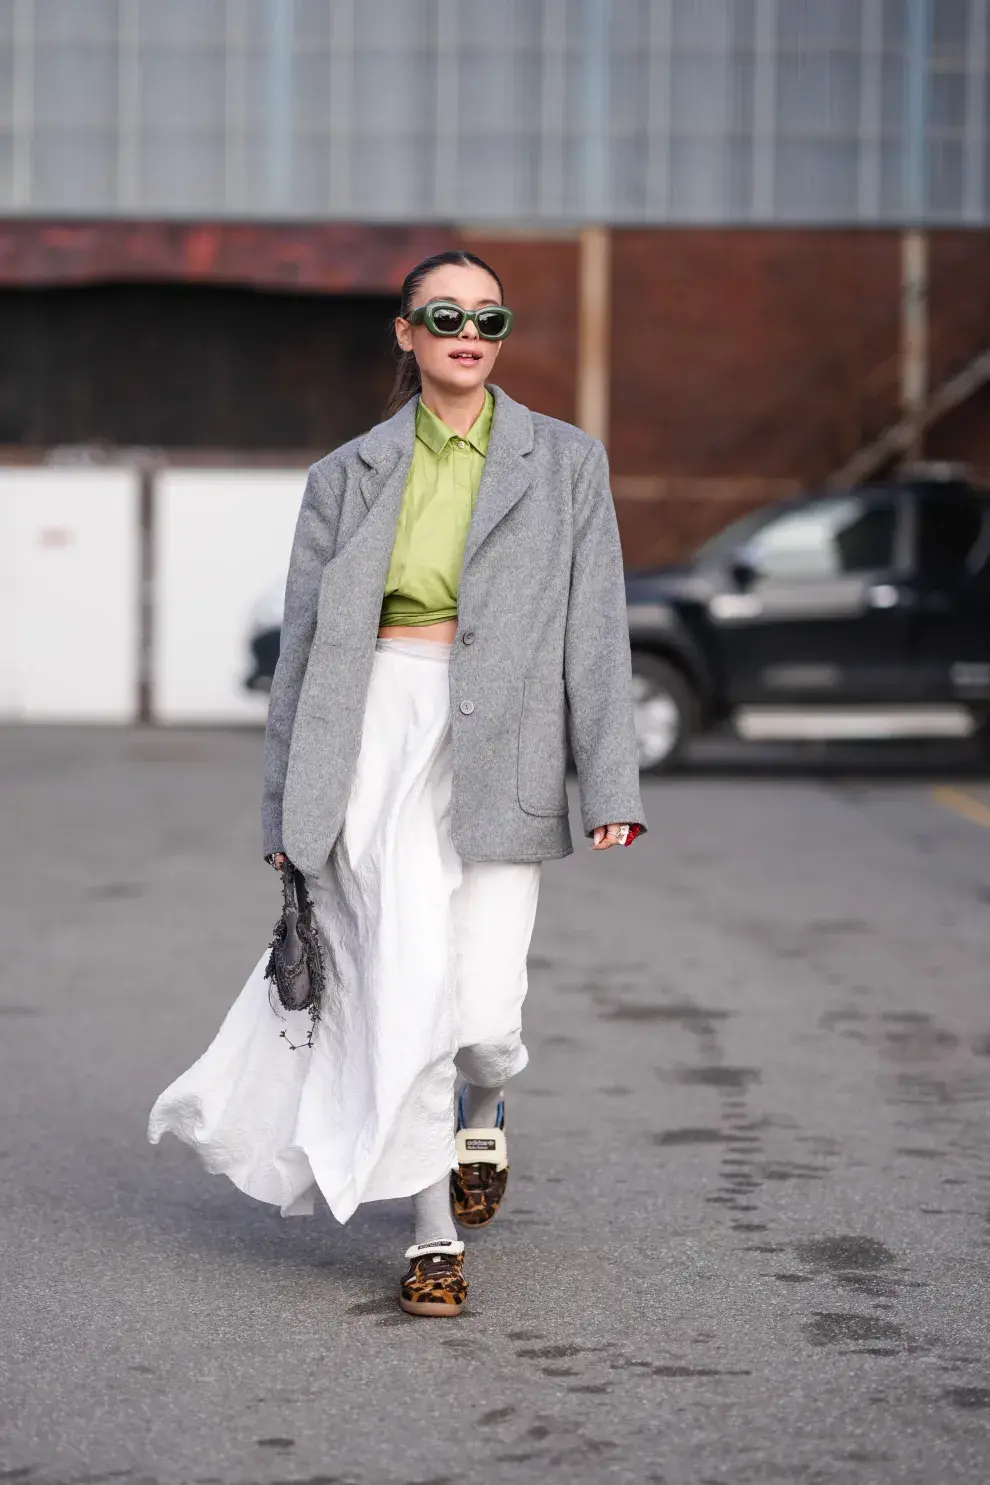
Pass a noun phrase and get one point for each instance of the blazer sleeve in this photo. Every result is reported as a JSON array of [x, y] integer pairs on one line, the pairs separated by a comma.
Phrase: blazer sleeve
[[597, 669], [312, 547]]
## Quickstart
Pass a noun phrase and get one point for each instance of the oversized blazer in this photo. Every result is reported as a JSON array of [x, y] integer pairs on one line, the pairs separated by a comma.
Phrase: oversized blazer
[[542, 644]]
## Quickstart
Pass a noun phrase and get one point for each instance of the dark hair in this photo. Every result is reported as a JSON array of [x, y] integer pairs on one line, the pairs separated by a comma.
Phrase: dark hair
[[407, 379]]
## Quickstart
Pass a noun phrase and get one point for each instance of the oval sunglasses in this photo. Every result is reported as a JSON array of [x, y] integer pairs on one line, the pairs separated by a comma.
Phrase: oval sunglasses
[[442, 317]]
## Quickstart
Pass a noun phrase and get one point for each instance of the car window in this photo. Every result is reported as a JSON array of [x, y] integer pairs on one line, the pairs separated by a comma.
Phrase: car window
[[949, 531], [731, 538], [843, 534]]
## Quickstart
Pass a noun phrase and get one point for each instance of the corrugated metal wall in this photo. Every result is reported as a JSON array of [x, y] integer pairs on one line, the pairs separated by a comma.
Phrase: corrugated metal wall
[[531, 112]]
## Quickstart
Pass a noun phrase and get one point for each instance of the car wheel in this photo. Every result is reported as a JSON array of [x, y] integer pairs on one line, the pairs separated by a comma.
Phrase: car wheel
[[664, 705]]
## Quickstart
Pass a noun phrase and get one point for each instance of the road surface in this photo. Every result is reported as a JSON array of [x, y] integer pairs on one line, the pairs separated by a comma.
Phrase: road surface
[[746, 1236]]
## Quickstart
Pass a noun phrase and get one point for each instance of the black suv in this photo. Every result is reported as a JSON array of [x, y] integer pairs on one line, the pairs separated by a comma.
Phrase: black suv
[[861, 613]]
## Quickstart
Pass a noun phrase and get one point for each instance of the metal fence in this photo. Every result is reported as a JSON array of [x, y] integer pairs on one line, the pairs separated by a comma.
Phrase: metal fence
[[530, 112]]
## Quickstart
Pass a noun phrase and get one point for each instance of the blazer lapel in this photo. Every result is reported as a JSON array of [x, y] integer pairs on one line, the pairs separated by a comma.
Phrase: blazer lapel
[[506, 477], [383, 448]]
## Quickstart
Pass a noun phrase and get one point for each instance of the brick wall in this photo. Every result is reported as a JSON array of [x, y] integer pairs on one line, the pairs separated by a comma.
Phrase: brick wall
[[747, 364], [960, 275], [538, 363]]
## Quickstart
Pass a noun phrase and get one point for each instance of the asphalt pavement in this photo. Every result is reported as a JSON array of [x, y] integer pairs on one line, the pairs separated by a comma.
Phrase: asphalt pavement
[[746, 1236]]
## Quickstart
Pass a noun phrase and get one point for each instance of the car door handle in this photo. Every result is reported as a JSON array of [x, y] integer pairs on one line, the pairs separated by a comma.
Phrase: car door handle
[[732, 607], [884, 595]]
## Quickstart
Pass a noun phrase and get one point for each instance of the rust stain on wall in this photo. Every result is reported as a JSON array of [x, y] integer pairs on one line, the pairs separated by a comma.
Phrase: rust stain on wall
[[332, 257]]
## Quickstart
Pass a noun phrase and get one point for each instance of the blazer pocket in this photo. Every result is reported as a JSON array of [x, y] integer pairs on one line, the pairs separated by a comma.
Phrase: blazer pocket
[[541, 769]]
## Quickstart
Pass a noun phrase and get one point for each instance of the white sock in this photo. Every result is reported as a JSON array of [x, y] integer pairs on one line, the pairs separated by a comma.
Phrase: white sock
[[431, 1210], [481, 1106]]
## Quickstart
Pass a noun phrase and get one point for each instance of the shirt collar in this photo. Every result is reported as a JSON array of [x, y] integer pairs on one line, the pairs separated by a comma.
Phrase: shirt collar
[[432, 431]]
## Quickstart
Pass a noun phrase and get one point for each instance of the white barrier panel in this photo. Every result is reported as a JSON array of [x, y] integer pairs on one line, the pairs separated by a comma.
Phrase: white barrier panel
[[69, 591], [222, 542]]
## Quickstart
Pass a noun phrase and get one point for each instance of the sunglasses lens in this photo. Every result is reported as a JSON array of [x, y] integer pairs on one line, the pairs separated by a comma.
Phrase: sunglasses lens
[[492, 323], [446, 319]]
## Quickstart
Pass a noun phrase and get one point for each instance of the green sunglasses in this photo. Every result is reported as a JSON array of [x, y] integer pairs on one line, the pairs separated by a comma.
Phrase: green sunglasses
[[441, 317]]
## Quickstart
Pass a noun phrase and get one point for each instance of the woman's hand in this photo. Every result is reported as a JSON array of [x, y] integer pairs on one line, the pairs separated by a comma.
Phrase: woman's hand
[[606, 836], [278, 860]]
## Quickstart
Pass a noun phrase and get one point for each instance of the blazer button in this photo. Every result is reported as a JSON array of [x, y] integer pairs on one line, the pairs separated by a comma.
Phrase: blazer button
[[468, 637], [467, 707]]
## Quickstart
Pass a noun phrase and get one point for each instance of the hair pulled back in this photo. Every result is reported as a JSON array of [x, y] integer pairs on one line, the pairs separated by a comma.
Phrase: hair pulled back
[[407, 378]]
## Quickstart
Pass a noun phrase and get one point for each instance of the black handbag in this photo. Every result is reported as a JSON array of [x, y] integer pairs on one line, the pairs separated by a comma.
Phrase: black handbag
[[295, 964]]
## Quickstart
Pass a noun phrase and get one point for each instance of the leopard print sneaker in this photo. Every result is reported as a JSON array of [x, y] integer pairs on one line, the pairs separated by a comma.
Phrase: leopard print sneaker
[[478, 1184], [434, 1283]]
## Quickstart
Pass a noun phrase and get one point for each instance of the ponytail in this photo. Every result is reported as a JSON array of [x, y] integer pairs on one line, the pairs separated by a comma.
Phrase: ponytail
[[408, 382]]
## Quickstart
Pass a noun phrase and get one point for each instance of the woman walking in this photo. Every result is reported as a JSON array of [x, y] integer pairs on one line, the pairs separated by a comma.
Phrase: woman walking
[[454, 605]]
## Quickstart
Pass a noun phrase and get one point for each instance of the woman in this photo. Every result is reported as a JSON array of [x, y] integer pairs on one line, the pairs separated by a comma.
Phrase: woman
[[417, 778]]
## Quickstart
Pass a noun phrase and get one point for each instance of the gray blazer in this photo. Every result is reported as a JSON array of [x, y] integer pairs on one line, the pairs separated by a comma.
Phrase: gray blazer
[[542, 644]]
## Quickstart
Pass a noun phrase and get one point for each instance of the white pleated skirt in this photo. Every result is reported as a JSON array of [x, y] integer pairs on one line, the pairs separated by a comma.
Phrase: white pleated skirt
[[367, 1112]]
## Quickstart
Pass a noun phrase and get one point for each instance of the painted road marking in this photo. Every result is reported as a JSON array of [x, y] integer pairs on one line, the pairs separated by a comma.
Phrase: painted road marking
[[963, 804]]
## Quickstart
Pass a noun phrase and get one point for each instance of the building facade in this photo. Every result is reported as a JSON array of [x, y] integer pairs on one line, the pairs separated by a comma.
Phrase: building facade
[[206, 207]]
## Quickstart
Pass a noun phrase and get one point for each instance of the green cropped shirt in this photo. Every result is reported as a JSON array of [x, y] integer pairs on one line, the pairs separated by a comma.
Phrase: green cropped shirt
[[441, 488]]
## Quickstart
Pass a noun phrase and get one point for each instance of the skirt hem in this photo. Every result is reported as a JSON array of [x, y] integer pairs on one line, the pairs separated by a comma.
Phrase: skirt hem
[[303, 1204]]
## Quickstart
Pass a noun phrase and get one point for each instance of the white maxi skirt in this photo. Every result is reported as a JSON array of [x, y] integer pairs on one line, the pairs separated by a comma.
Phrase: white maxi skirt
[[426, 959]]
